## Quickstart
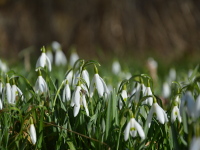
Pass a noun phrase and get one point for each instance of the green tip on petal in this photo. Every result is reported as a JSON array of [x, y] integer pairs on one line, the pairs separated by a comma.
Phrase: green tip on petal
[[13, 81], [66, 82]]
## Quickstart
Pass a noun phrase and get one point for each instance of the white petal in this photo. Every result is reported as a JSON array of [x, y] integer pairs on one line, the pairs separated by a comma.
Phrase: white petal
[[124, 94], [173, 114], [13, 93], [195, 143], [41, 61], [86, 77], [20, 93], [106, 90], [159, 113], [73, 58], [198, 106], [48, 62], [76, 110], [76, 96], [99, 85], [33, 134], [85, 105], [139, 129], [126, 131], [60, 58], [8, 93], [1, 104]]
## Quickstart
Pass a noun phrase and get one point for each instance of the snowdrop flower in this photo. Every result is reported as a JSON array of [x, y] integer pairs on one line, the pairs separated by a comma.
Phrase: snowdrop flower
[[166, 90], [69, 76], [43, 61], [195, 143], [15, 91], [158, 112], [78, 99], [132, 128], [3, 66], [66, 92], [50, 55], [40, 85], [116, 68], [149, 100], [7, 91], [32, 133], [86, 77], [1, 104], [175, 114], [124, 96], [190, 104], [98, 84], [73, 58], [1, 87], [148, 92], [198, 106], [60, 58]]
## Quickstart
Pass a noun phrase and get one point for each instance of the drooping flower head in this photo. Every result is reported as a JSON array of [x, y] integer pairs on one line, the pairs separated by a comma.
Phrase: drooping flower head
[[32, 132], [78, 100], [124, 96], [98, 84], [60, 58], [43, 61], [175, 114], [73, 57], [15, 91], [66, 92], [40, 85], [7, 91], [159, 113], [132, 128]]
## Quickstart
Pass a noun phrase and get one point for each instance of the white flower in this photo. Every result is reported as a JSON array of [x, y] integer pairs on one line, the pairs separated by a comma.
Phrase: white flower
[[116, 68], [73, 58], [149, 100], [41, 85], [159, 112], [132, 128], [69, 76], [98, 83], [50, 56], [33, 134], [86, 77], [175, 114], [78, 99], [43, 61], [14, 92], [166, 90], [7, 93], [60, 58], [1, 104], [190, 104], [3, 66], [1, 87], [66, 92], [195, 143], [124, 96], [198, 106]]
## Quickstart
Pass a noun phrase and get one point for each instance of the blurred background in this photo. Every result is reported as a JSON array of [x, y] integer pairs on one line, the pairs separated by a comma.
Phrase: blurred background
[[132, 29]]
